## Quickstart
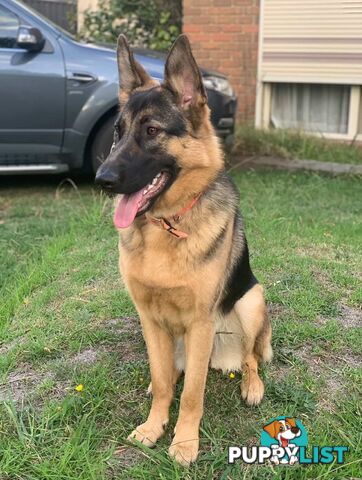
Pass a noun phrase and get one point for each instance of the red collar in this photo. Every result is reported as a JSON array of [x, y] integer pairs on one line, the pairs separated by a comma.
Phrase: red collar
[[166, 224]]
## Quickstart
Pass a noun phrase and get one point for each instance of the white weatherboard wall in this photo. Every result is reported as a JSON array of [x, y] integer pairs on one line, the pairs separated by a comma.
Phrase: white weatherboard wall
[[310, 41]]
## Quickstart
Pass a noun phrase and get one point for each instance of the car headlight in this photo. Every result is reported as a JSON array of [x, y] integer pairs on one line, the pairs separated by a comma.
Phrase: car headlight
[[219, 84]]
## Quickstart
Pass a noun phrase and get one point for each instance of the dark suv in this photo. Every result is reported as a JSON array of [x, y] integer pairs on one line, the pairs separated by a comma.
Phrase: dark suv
[[58, 97]]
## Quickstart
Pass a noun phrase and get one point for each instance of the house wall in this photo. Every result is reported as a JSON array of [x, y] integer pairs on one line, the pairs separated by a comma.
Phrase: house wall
[[224, 36], [312, 42]]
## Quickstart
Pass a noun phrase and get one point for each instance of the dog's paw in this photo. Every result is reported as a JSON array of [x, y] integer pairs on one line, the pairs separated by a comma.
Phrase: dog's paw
[[147, 434], [184, 452], [252, 389]]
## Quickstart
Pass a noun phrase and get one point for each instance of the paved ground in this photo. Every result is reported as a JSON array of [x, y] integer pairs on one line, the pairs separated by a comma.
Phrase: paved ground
[[312, 165]]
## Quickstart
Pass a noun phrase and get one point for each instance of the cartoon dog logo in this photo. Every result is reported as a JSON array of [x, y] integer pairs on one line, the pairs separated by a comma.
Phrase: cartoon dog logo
[[283, 431]]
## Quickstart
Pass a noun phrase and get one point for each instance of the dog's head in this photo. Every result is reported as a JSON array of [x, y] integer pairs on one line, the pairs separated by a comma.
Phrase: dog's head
[[162, 135], [283, 430]]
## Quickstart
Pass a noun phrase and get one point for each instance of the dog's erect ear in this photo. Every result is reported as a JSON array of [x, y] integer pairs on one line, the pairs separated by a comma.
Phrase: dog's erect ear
[[272, 428], [131, 74], [291, 422], [182, 75]]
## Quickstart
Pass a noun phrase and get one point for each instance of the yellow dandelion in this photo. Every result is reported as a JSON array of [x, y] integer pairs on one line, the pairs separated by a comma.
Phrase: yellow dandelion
[[79, 388], [231, 375]]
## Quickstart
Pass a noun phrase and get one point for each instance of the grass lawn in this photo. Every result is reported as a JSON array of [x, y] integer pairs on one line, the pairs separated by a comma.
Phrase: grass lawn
[[291, 144], [65, 320]]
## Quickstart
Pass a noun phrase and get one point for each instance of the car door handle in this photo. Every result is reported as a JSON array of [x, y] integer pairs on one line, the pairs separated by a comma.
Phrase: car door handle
[[81, 77]]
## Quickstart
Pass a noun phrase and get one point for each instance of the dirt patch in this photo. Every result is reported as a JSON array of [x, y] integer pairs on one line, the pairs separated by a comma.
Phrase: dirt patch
[[7, 347], [124, 324], [129, 344], [327, 369], [277, 370], [26, 382], [323, 279], [124, 457], [350, 317], [22, 382], [276, 310], [86, 357], [319, 363], [129, 456]]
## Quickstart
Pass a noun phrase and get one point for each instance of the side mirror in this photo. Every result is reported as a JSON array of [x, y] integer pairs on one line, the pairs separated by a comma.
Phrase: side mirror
[[30, 38]]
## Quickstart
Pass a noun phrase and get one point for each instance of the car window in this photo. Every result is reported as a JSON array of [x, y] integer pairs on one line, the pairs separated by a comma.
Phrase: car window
[[9, 26]]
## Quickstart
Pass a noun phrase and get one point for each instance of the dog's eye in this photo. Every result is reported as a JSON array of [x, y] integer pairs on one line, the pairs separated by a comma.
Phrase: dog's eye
[[152, 131], [281, 429]]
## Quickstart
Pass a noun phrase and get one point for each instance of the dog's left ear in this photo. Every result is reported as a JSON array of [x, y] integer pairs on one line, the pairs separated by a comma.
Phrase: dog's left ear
[[272, 428], [291, 422], [182, 75], [131, 74]]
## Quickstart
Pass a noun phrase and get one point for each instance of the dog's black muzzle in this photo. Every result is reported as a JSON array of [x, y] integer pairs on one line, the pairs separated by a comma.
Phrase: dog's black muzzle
[[108, 178], [129, 170]]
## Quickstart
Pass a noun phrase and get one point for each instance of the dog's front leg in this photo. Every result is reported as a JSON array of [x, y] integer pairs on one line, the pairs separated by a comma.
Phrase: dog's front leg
[[160, 352], [198, 342]]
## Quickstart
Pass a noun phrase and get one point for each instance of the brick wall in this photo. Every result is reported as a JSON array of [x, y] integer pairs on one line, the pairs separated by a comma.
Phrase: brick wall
[[224, 37]]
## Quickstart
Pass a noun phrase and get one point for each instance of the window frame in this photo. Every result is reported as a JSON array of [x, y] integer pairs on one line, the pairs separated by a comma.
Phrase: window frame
[[19, 25], [263, 113]]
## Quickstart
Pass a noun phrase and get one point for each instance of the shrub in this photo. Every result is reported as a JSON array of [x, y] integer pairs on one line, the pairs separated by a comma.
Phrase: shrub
[[150, 24]]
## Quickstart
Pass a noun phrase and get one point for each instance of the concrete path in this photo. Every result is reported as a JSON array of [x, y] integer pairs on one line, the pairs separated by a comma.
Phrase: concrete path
[[313, 165]]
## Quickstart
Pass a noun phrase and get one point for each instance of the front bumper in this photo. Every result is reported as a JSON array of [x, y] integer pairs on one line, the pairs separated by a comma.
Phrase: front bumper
[[223, 111]]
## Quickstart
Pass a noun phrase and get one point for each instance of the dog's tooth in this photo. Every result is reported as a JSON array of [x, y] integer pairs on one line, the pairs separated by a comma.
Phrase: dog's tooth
[[154, 181], [145, 191]]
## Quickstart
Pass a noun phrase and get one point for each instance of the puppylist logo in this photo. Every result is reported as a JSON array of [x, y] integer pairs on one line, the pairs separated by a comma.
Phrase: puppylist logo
[[284, 441]]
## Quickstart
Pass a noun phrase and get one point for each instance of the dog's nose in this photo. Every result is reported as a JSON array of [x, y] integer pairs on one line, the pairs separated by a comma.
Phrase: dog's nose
[[295, 430], [106, 177]]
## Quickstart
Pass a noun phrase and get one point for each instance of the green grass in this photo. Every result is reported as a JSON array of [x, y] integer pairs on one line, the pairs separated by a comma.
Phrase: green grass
[[66, 320], [291, 144]]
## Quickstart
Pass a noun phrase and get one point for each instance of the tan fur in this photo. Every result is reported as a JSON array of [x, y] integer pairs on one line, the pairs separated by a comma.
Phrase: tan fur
[[200, 159], [173, 296], [176, 293]]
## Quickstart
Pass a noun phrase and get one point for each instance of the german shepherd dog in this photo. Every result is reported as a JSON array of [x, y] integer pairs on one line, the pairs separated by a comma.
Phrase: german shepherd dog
[[183, 252]]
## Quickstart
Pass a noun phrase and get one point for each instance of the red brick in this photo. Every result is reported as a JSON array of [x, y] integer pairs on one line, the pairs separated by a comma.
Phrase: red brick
[[251, 28], [224, 37], [232, 28], [190, 28]]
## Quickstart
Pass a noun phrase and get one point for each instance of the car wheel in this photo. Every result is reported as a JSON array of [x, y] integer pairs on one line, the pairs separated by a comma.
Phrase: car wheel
[[102, 144]]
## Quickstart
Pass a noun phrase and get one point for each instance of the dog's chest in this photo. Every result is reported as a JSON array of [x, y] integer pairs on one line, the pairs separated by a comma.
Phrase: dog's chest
[[156, 261]]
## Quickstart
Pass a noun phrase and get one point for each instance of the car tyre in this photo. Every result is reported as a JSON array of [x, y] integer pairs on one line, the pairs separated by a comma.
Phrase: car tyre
[[101, 144]]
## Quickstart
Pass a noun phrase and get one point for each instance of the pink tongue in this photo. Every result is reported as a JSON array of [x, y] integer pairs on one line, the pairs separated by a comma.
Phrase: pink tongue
[[127, 209]]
